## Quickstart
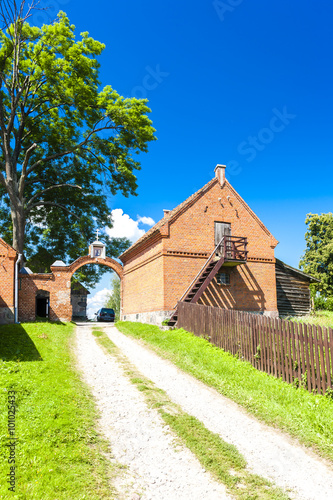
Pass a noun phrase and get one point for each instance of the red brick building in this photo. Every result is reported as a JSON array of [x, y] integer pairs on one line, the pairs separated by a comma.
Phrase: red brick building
[[161, 265]]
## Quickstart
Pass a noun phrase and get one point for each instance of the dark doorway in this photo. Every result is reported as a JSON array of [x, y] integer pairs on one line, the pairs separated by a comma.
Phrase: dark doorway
[[42, 304], [223, 229]]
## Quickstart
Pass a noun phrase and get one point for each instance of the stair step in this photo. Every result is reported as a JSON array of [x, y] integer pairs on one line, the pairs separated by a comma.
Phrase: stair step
[[207, 271]]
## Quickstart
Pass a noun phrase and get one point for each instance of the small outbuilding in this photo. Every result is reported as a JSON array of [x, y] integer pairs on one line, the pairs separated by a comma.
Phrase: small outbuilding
[[292, 290]]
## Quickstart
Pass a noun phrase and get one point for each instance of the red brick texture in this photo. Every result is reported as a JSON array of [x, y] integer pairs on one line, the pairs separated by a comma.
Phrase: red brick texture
[[160, 267], [7, 272]]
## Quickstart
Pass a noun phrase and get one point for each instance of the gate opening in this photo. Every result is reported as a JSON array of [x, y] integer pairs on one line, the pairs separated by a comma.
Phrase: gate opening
[[42, 304]]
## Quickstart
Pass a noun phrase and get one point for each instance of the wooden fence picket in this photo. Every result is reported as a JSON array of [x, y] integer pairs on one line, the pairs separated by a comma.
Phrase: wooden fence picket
[[287, 349]]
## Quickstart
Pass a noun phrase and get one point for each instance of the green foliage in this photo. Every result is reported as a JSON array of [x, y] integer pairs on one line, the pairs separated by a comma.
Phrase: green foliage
[[302, 414], [318, 257], [114, 299], [323, 304], [69, 143], [322, 318], [59, 452]]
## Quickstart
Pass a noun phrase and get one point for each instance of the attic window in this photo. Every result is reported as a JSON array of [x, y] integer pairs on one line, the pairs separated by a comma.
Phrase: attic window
[[223, 278]]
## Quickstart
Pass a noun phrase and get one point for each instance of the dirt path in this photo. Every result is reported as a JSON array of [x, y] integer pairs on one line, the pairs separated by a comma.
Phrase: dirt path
[[268, 452], [156, 468]]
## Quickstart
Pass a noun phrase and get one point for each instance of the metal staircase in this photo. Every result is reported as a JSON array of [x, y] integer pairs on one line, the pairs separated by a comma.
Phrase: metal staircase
[[231, 251]]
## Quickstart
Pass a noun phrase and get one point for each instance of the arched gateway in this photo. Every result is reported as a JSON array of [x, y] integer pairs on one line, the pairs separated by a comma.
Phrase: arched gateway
[[57, 285]]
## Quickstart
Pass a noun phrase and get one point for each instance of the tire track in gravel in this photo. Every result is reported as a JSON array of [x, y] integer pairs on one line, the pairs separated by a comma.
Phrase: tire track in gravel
[[269, 452], [156, 466]]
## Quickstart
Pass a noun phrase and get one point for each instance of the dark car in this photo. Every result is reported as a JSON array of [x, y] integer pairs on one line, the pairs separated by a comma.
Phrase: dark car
[[105, 314]]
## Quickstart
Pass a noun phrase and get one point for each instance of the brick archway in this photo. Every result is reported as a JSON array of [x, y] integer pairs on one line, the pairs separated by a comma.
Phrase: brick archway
[[58, 285], [82, 261], [61, 303]]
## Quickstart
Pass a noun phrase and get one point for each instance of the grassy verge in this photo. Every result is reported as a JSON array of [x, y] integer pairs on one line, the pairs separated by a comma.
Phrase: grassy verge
[[59, 454], [322, 318], [305, 416], [221, 459]]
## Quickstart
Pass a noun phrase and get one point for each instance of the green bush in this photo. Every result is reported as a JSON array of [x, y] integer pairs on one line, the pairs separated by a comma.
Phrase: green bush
[[322, 303]]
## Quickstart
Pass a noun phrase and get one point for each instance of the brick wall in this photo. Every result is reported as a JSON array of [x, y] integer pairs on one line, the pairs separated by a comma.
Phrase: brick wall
[[59, 287], [7, 272], [143, 283], [252, 288]]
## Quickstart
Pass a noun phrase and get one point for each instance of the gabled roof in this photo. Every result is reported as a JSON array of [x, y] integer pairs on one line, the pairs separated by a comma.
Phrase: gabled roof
[[170, 216]]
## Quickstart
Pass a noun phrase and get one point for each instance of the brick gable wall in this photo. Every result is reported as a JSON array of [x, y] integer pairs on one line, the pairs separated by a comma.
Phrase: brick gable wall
[[185, 243]]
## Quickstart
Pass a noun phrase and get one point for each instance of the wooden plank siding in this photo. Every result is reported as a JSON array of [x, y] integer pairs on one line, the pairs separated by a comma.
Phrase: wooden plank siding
[[293, 292], [298, 353]]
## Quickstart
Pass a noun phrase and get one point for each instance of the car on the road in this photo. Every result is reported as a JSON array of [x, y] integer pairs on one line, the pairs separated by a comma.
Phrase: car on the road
[[105, 314]]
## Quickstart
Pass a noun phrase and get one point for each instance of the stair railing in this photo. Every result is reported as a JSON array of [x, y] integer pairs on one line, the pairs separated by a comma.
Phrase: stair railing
[[201, 270]]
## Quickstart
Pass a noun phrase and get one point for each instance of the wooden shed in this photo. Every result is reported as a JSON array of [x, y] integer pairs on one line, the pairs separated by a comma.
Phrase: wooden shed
[[293, 290]]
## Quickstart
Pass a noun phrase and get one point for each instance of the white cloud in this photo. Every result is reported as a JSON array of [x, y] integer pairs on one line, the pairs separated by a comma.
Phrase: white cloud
[[125, 227], [148, 221], [97, 301]]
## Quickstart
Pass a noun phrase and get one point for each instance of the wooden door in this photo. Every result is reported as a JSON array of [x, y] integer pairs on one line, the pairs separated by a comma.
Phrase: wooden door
[[222, 229]]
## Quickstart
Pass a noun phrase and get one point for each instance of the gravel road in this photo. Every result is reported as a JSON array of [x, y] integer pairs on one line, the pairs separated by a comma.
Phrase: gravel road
[[157, 467], [139, 438]]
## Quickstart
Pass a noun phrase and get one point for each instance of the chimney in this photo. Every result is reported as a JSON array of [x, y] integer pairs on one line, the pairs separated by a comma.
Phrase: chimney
[[220, 173], [166, 211]]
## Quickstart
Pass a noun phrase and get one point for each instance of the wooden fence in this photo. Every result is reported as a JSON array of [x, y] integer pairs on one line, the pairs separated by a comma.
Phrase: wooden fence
[[299, 353]]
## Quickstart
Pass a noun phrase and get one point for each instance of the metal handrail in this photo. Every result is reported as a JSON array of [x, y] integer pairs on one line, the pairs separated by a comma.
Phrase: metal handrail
[[201, 271]]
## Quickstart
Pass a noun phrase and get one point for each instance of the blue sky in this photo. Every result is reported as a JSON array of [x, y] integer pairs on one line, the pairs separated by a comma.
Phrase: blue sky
[[219, 76]]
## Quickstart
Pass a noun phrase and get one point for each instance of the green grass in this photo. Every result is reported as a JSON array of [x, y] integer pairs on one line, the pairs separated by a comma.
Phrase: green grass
[[322, 318], [305, 416], [59, 454], [221, 459]]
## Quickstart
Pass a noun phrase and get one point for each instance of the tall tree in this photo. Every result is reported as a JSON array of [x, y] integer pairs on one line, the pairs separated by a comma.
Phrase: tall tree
[[65, 142], [113, 300], [318, 257]]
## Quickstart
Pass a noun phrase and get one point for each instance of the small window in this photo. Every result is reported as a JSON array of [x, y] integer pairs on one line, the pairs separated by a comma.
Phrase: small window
[[223, 279]]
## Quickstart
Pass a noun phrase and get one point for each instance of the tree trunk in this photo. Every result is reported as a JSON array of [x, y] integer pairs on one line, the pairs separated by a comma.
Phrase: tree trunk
[[18, 218]]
